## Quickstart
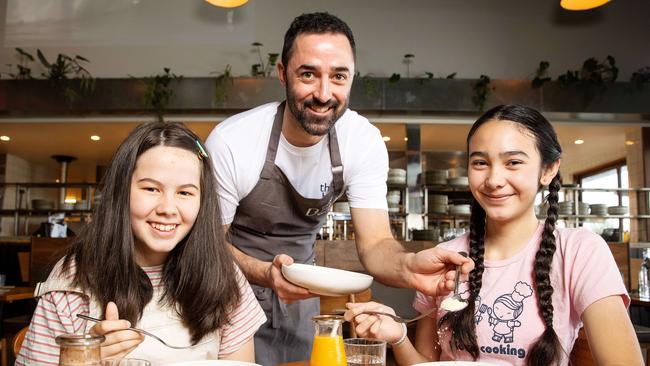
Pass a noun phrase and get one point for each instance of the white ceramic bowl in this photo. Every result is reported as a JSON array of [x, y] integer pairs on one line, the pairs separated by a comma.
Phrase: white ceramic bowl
[[213, 363], [326, 281], [455, 363]]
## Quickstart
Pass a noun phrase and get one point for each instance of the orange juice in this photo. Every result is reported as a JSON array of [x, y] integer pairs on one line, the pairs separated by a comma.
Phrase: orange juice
[[328, 351]]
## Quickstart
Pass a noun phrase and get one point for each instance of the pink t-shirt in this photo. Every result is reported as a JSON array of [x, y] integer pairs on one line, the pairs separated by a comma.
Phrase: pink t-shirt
[[507, 314]]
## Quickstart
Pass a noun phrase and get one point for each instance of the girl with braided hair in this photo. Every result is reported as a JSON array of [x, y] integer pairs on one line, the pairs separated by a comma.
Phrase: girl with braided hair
[[562, 278]]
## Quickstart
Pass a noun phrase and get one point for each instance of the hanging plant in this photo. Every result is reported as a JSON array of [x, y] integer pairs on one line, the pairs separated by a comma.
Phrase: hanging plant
[[262, 69], [592, 77], [221, 83], [370, 83], [640, 77], [159, 91], [427, 76], [481, 92], [541, 75], [451, 76], [23, 71], [68, 68]]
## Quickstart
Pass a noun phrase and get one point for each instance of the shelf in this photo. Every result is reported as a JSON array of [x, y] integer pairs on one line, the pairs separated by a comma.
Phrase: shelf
[[645, 189], [445, 188], [40, 212], [600, 217], [432, 215], [397, 214], [394, 186]]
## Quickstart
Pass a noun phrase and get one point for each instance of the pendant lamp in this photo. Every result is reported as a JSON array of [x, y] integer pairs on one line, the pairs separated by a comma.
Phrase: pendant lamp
[[227, 3], [582, 4]]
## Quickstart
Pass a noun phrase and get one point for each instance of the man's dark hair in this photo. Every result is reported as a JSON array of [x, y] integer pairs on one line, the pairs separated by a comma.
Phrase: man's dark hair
[[314, 23]]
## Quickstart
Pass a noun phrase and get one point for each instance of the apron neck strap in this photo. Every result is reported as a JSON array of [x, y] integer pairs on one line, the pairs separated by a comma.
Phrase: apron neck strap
[[274, 140]]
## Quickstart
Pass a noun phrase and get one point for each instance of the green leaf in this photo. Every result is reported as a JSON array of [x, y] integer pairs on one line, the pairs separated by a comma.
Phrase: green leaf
[[42, 59]]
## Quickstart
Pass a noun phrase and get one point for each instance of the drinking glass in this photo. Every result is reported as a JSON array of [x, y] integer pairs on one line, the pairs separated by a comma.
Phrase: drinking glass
[[125, 362], [365, 352]]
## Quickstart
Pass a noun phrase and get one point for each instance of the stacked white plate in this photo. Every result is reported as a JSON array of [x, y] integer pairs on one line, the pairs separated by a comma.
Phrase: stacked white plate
[[393, 201], [617, 210], [598, 209], [341, 207], [583, 208], [459, 209], [396, 176], [436, 176], [438, 203], [458, 181], [566, 208]]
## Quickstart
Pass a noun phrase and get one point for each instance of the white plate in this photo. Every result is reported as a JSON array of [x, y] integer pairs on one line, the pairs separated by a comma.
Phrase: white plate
[[213, 363], [455, 363], [326, 281]]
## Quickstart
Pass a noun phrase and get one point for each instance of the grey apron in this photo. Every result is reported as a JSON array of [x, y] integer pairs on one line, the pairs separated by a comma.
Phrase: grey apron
[[275, 219]]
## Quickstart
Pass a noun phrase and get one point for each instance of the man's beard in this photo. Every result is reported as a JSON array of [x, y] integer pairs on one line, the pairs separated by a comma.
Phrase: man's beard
[[313, 125]]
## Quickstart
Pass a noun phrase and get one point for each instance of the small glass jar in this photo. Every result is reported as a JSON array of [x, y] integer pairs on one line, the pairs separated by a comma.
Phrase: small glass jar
[[328, 341], [80, 349]]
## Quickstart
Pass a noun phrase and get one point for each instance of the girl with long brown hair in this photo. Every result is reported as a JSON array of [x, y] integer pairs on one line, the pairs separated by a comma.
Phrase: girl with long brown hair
[[534, 285], [153, 257]]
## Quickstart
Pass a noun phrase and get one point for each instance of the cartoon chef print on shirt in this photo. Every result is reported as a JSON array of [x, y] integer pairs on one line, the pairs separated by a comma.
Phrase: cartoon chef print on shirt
[[505, 310], [478, 309]]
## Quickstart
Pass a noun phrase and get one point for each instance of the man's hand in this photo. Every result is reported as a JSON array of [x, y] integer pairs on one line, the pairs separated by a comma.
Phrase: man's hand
[[432, 271], [285, 290]]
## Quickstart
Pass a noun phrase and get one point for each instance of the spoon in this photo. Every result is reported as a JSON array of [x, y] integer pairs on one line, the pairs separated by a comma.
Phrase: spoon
[[455, 302], [396, 318], [90, 318]]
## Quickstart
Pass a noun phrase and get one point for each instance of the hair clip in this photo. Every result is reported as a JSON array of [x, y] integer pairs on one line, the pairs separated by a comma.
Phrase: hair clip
[[202, 154]]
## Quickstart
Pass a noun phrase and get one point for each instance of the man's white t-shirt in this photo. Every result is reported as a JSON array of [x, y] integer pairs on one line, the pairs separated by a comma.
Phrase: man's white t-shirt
[[238, 145]]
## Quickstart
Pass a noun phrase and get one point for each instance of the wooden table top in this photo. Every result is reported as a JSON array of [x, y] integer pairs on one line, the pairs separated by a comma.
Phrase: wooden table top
[[17, 293], [297, 363]]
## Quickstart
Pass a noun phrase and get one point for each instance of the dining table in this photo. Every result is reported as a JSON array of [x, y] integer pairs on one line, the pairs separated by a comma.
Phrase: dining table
[[10, 294]]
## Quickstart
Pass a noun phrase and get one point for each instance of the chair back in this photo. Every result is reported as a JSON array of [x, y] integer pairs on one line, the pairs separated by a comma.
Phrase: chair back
[[45, 252], [18, 340]]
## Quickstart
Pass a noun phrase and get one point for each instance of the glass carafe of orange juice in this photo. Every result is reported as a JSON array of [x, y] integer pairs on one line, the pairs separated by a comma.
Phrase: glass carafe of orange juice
[[328, 341]]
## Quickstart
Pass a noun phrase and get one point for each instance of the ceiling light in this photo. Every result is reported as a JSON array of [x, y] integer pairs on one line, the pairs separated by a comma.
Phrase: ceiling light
[[227, 3], [406, 138], [629, 142], [579, 142], [582, 4], [386, 138], [95, 138], [5, 138]]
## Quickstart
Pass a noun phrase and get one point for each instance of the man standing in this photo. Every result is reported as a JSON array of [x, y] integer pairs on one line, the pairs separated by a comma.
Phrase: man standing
[[280, 167]]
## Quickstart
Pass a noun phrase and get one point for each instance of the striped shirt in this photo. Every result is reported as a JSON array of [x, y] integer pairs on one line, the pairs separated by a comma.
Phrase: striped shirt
[[56, 313]]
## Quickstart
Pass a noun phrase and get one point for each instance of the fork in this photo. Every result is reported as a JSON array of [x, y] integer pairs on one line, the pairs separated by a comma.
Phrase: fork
[[90, 318], [396, 318]]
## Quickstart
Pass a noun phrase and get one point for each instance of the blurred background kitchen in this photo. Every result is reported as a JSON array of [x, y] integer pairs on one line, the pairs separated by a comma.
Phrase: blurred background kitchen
[[77, 76]]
